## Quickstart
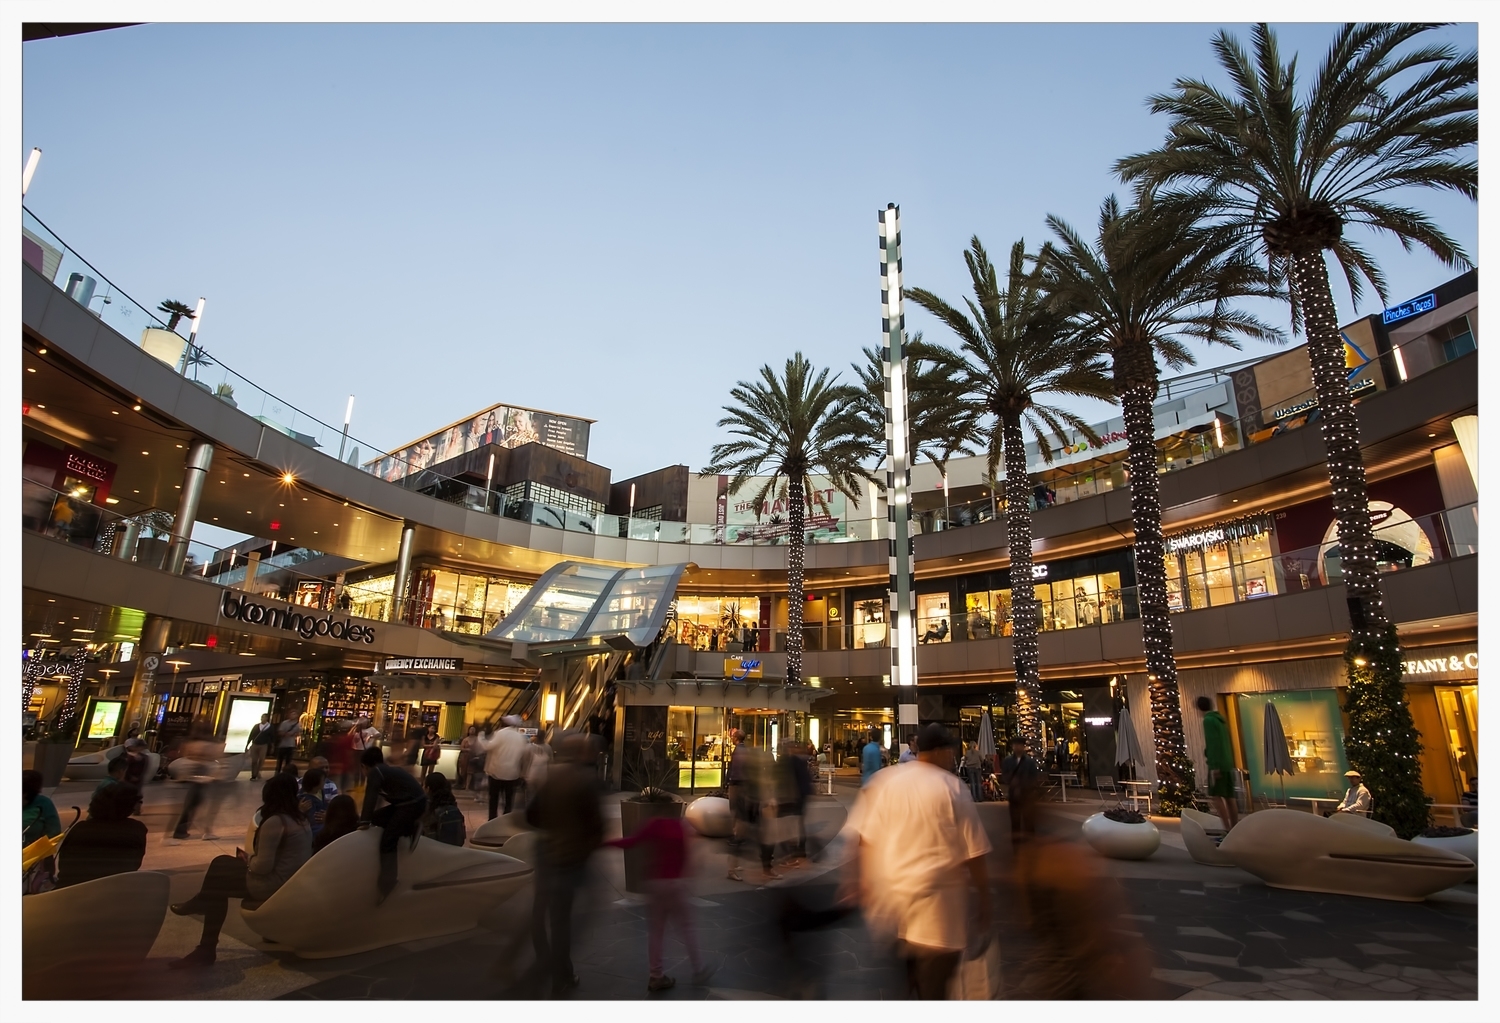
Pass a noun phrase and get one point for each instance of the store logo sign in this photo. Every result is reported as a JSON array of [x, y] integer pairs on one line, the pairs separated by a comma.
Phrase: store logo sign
[[1038, 571], [1223, 532], [85, 466], [394, 664], [1406, 310], [1105, 439], [741, 668], [1203, 539], [238, 608], [1442, 665], [1358, 387]]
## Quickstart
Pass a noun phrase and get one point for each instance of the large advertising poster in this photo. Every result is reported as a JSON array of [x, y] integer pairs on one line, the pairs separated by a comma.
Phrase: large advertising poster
[[104, 719], [244, 714], [505, 425], [825, 517]]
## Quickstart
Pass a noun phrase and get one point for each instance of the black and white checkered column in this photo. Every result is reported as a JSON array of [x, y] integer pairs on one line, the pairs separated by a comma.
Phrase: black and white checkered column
[[898, 459]]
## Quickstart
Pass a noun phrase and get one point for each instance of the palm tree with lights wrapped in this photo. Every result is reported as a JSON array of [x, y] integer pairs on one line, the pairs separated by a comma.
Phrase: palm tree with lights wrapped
[[1289, 166], [1015, 348], [1146, 286], [788, 429]]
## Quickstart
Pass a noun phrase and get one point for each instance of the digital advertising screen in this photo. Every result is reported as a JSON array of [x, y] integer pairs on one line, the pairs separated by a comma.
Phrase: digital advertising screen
[[104, 719], [244, 714]]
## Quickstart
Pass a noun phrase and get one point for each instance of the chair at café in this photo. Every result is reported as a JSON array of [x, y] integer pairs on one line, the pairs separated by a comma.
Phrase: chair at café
[[1106, 783]]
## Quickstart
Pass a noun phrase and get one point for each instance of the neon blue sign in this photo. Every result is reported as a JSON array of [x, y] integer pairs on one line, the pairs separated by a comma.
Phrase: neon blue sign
[[1406, 310], [746, 667]]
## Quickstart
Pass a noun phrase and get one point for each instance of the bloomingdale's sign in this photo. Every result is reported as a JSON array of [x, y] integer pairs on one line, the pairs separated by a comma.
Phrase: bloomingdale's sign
[[239, 608]]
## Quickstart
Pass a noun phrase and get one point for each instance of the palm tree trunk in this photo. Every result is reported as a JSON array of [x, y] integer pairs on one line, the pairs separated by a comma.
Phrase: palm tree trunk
[[1025, 616], [1136, 380], [1346, 467], [795, 598]]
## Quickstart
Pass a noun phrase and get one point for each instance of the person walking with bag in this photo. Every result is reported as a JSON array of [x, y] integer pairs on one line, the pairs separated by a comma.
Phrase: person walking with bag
[[432, 746], [261, 738], [287, 734]]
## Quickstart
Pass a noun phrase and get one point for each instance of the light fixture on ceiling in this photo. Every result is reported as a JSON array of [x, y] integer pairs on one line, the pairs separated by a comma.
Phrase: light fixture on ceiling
[[113, 412], [41, 351], [288, 478], [135, 408]]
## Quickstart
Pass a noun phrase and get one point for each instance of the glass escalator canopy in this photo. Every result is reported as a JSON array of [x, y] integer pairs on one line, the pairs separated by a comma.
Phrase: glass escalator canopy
[[575, 603]]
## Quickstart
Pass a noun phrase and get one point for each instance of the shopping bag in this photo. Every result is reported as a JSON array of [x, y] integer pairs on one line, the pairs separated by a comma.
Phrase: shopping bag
[[978, 975]]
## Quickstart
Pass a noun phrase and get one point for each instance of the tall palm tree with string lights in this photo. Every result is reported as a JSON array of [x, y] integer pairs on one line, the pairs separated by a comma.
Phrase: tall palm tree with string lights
[[1015, 351], [1289, 164], [1149, 284], [788, 429]]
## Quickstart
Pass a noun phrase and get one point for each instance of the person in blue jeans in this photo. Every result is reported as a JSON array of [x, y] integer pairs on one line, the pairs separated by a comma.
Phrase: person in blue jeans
[[400, 818], [871, 759]]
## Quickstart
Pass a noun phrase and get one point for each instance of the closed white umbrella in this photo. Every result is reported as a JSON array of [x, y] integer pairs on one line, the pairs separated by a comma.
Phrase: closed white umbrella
[[1273, 745], [986, 735], [1127, 746]]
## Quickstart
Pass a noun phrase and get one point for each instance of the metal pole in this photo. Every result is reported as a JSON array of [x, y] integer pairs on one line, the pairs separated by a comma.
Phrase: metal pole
[[348, 414], [187, 352], [148, 655], [403, 572], [901, 550], [26, 176], [126, 538], [489, 481], [200, 457]]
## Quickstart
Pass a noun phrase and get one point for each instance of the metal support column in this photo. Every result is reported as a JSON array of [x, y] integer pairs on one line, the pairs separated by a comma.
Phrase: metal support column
[[403, 572], [148, 659], [127, 535], [200, 457]]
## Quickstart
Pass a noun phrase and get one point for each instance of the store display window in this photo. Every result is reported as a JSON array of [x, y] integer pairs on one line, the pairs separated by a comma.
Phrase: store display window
[[722, 623], [868, 618], [697, 744], [933, 625], [1220, 564], [1314, 732]]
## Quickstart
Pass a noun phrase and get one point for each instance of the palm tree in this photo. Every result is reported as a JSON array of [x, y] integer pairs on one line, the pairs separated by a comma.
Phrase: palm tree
[[1016, 348], [175, 311], [941, 421], [1148, 284], [1291, 166], [790, 428]]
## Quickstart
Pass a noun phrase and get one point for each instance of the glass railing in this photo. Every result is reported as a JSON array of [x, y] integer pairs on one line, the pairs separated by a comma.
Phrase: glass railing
[[91, 289]]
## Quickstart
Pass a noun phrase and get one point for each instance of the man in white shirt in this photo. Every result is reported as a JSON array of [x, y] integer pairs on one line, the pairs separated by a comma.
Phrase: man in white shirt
[[921, 848], [910, 753], [1357, 798], [504, 762]]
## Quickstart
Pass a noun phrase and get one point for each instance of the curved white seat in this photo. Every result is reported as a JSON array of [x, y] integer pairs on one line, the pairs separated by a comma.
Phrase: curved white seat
[[710, 816], [1195, 829], [92, 766], [1305, 852], [109, 918], [328, 907], [493, 834]]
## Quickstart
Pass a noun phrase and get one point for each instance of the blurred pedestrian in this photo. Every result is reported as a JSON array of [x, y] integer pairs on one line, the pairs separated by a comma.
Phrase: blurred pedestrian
[[538, 762], [971, 771], [195, 770], [432, 747], [287, 734], [666, 842], [871, 759], [921, 851], [262, 739], [311, 799], [401, 817], [339, 819], [503, 752], [794, 788], [281, 845], [1218, 751], [566, 812], [137, 762], [330, 787], [750, 785], [465, 759], [107, 842], [1022, 778], [443, 820]]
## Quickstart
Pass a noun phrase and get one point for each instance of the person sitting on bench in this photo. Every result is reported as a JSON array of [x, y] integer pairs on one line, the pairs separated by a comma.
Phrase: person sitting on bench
[[400, 817]]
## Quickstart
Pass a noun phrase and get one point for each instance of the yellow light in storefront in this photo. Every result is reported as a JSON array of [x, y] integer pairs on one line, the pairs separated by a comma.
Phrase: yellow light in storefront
[[549, 708]]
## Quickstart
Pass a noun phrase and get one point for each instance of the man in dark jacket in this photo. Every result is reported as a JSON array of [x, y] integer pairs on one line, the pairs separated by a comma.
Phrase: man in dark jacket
[[109, 842], [1022, 779], [566, 812], [262, 742], [401, 817]]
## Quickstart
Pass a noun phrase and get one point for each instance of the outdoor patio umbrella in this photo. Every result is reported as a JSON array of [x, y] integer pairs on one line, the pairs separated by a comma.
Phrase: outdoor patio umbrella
[[1278, 758], [986, 735], [1127, 746]]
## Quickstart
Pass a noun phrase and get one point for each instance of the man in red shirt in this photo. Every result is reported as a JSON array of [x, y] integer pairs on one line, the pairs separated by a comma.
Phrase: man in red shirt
[[666, 841]]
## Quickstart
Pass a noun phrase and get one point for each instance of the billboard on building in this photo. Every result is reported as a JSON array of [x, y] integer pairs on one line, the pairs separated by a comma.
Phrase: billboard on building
[[509, 426], [825, 518]]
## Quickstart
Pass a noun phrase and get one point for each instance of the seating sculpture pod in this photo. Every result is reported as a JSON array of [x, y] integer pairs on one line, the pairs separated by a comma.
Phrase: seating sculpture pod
[[710, 816], [328, 907], [1343, 855], [1196, 827], [109, 918], [493, 834], [95, 766]]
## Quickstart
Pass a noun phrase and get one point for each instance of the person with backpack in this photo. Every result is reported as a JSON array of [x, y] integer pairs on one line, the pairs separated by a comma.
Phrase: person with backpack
[[262, 740], [443, 820]]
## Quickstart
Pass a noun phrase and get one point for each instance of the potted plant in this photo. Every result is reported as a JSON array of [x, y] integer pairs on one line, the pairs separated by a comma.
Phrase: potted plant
[[655, 799], [225, 393], [1121, 834]]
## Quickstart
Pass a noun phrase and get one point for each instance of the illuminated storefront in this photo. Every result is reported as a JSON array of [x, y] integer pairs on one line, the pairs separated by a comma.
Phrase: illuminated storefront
[[1223, 563], [1073, 593]]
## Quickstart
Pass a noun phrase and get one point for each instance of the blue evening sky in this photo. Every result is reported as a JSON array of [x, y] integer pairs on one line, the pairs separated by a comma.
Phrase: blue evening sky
[[613, 221]]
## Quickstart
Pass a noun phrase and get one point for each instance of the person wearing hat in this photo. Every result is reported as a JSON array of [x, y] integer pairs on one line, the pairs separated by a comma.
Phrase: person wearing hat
[[920, 863], [1357, 799]]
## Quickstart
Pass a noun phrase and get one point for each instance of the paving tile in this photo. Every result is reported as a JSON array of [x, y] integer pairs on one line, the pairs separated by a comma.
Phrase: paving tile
[[1236, 987], [1208, 960], [1463, 980], [1371, 948], [1203, 932], [1268, 935], [1137, 916], [1327, 964], [1186, 978], [1406, 936], [1297, 914], [1203, 994], [1392, 984], [1355, 976]]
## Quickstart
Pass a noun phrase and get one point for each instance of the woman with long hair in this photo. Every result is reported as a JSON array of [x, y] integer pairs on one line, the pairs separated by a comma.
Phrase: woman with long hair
[[283, 842], [340, 819]]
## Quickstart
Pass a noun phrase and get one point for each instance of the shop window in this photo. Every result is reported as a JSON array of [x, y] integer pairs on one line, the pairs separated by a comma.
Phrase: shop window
[[1456, 337], [1314, 733], [869, 623], [721, 623], [980, 618], [1458, 707], [933, 625]]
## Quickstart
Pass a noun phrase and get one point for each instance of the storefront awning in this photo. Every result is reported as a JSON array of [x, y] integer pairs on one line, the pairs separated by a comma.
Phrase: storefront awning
[[440, 688]]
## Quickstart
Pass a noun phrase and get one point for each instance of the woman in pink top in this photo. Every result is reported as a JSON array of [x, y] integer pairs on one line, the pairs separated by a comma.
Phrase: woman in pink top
[[666, 841]]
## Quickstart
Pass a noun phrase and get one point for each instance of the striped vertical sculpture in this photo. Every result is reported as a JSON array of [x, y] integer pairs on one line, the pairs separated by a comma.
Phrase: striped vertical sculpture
[[898, 457]]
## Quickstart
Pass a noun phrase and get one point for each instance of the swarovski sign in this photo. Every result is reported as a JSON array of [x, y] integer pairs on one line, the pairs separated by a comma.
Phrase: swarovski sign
[[309, 625]]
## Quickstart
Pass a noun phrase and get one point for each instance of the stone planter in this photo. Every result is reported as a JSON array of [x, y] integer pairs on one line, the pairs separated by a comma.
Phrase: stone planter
[[52, 760], [710, 816], [633, 817], [1121, 841], [1464, 845]]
